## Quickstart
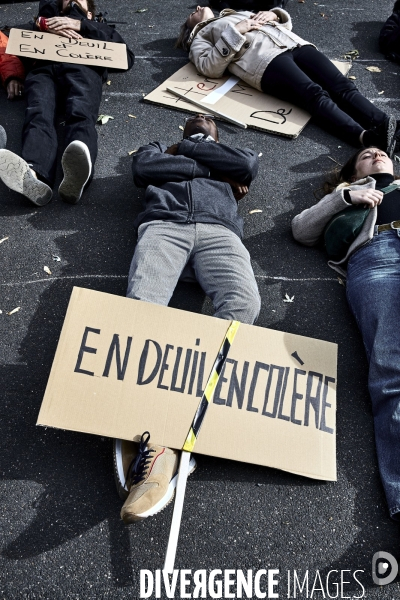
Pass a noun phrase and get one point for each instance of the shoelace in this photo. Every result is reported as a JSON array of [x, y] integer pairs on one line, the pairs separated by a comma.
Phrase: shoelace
[[136, 470]]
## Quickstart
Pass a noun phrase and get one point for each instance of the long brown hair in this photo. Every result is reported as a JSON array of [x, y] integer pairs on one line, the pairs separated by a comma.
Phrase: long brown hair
[[183, 37]]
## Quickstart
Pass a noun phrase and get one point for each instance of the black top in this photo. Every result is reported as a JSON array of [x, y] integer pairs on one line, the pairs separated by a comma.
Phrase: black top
[[389, 209]]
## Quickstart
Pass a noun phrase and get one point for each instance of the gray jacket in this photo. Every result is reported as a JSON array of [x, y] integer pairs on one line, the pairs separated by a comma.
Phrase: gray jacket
[[308, 227], [186, 188]]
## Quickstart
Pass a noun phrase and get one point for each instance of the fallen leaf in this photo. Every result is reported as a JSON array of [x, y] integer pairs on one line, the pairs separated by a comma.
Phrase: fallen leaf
[[151, 26], [322, 14], [47, 270], [1, 312], [180, 127], [140, 10], [254, 211], [103, 119], [14, 311], [352, 77], [287, 298], [380, 93], [260, 155], [132, 116], [56, 258], [301, 1], [340, 280], [133, 151], [3, 240], [374, 69], [351, 54], [109, 82]]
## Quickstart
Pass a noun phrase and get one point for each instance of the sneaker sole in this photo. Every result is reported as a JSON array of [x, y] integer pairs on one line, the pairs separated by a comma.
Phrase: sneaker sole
[[77, 167], [163, 502], [3, 138], [16, 175]]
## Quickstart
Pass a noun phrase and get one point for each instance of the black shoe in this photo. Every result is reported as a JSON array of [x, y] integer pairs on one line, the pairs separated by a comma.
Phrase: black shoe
[[382, 136]]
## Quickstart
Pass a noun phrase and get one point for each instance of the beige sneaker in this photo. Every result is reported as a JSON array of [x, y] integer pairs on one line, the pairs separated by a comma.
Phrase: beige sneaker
[[151, 477]]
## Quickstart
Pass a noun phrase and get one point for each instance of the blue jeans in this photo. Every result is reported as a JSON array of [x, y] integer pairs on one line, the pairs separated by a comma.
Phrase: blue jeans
[[373, 293]]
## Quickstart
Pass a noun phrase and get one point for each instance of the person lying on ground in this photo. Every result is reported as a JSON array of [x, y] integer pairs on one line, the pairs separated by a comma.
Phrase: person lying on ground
[[389, 37], [252, 5], [48, 83], [370, 257], [189, 227], [12, 72], [262, 50]]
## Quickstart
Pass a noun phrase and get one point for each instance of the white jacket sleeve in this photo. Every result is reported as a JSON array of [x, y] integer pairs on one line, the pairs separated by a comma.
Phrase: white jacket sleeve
[[309, 225], [212, 60]]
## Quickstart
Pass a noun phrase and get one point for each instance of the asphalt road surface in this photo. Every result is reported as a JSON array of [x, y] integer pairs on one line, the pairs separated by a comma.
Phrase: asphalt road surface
[[60, 532]]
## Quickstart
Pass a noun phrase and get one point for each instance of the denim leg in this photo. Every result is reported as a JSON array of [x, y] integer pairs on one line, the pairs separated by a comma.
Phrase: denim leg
[[373, 292], [223, 269], [39, 136], [162, 252]]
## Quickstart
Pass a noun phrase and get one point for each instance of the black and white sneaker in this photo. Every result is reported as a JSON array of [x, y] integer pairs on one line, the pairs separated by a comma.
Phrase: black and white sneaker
[[77, 167], [3, 138], [18, 176]]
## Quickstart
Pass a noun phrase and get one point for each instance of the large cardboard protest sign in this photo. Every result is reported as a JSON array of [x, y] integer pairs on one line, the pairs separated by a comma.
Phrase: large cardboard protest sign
[[47, 46], [233, 97], [123, 367]]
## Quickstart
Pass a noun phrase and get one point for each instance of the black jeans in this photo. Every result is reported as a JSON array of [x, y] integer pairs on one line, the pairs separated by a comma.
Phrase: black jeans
[[80, 88], [308, 78]]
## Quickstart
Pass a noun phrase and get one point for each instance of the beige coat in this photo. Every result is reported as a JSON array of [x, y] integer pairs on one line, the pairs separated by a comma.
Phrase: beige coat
[[308, 227], [216, 45]]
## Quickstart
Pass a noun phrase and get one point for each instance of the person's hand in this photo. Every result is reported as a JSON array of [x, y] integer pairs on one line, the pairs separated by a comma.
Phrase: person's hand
[[369, 198], [247, 25], [263, 16], [65, 27], [14, 89], [172, 149], [239, 190]]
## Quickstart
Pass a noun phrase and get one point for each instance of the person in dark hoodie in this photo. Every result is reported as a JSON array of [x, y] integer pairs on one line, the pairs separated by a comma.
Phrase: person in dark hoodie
[[190, 222], [80, 88], [389, 37]]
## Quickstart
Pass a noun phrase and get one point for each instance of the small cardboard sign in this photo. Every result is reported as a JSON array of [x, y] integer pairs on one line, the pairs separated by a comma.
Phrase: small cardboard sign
[[48, 46], [124, 366], [236, 99]]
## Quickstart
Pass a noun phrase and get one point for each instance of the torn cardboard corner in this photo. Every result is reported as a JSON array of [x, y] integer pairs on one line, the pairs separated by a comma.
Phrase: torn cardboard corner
[[123, 367], [48, 46], [233, 97]]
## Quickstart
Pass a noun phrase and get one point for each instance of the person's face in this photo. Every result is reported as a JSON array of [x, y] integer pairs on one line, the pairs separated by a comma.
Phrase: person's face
[[81, 3], [201, 124], [202, 13], [372, 161]]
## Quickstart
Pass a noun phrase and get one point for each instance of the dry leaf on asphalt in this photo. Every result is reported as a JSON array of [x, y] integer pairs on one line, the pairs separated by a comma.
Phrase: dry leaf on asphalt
[[374, 69], [47, 270], [340, 280], [3, 240], [56, 258], [109, 82], [180, 127], [352, 77], [133, 151], [351, 55], [103, 119], [260, 155], [140, 10], [380, 93], [287, 298], [255, 210], [132, 116], [14, 311]]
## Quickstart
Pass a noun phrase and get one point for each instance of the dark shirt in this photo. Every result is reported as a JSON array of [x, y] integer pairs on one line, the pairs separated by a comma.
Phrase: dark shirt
[[389, 209]]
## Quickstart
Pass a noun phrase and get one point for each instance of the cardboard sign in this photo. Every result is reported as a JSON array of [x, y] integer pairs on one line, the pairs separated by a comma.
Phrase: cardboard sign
[[47, 46], [123, 367], [236, 99]]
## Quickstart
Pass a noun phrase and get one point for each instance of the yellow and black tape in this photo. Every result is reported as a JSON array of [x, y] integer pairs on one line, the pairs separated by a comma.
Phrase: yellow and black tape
[[210, 387]]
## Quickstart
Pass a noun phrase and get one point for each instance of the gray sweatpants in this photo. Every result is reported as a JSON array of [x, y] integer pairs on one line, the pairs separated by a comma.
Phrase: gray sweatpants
[[220, 262]]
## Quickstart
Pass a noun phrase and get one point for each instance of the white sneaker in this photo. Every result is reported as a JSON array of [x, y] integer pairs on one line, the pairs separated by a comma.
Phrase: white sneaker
[[77, 167], [18, 176]]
